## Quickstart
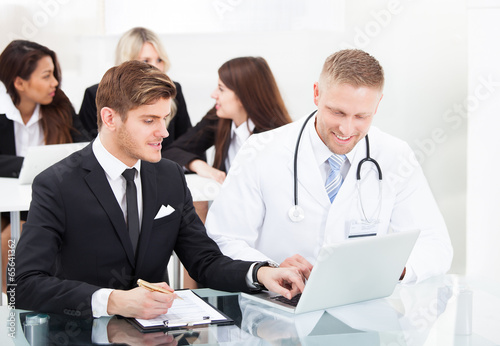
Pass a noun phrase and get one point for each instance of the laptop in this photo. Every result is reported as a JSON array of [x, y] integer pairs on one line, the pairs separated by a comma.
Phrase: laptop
[[352, 271], [39, 158]]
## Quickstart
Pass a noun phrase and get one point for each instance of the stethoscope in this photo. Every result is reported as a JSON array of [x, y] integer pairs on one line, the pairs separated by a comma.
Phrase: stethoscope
[[296, 213]]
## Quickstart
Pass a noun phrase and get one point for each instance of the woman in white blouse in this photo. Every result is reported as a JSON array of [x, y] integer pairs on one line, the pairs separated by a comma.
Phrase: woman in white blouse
[[33, 108], [247, 100]]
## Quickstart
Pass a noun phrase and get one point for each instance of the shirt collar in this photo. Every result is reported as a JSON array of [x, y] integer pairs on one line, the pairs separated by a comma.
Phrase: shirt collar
[[111, 165], [243, 131], [8, 108]]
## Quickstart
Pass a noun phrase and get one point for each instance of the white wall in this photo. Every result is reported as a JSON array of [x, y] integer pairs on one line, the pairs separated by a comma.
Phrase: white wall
[[421, 44], [483, 204]]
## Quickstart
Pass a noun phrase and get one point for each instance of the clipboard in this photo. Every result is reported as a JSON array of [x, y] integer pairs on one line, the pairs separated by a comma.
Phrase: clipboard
[[190, 312]]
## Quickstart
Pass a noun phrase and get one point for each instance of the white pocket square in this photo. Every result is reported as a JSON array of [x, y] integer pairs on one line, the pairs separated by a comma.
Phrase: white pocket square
[[164, 211]]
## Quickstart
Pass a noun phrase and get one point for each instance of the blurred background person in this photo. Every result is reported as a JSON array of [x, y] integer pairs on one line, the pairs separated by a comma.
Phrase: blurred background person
[[33, 111], [143, 45], [247, 101]]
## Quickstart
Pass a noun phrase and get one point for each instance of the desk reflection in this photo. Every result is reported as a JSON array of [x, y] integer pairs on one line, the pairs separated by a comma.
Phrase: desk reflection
[[404, 318], [59, 330], [408, 317], [120, 331]]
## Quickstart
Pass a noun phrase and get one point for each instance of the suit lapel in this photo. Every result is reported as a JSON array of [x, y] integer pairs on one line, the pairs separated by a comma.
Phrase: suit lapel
[[149, 209], [98, 183]]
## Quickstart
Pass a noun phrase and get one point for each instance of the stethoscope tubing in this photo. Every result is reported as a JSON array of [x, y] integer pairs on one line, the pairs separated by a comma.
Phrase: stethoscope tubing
[[295, 170], [368, 159], [295, 157]]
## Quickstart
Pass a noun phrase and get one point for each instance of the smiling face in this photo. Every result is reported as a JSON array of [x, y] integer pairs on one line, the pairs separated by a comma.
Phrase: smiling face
[[139, 137], [345, 113], [228, 105], [41, 85]]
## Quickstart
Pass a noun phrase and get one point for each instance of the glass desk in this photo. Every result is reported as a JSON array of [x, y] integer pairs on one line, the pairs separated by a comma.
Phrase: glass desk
[[442, 311]]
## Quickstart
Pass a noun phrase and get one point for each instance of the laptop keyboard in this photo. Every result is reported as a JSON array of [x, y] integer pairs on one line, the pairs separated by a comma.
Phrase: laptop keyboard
[[293, 302]]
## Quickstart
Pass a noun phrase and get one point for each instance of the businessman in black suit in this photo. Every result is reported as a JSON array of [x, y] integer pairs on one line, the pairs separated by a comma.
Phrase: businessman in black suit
[[82, 249]]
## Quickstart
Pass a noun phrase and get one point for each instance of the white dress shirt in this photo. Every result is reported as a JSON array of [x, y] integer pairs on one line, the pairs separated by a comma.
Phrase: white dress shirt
[[239, 135]]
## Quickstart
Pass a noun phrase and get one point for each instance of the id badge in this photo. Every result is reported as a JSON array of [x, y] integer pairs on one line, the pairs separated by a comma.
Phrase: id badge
[[363, 228]]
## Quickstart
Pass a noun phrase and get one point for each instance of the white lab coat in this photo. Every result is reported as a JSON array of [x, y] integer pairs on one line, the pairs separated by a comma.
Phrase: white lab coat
[[249, 219]]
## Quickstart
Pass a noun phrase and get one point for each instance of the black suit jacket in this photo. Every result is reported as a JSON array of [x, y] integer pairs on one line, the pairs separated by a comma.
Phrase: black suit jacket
[[75, 240], [178, 126], [193, 144], [10, 164]]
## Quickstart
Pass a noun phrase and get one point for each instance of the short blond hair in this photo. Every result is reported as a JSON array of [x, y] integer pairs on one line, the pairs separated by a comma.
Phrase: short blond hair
[[131, 43], [354, 67]]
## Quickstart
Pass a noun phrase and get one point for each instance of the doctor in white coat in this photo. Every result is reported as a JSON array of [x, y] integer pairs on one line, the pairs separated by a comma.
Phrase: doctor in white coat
[[258, 215]]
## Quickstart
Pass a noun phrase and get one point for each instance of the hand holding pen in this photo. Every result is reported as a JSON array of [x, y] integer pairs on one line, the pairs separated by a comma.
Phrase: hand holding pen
[[155, 288], [141, 302]]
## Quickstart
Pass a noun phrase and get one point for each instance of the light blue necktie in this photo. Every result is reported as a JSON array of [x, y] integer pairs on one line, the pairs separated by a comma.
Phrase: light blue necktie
[[334, 180]]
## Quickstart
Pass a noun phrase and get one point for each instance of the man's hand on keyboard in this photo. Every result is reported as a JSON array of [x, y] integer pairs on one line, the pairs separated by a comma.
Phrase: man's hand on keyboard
[[285, 281], [299, 262]]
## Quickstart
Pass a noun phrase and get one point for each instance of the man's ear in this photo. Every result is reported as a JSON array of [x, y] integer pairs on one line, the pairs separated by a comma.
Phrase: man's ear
[[108, 117], [316, 93]]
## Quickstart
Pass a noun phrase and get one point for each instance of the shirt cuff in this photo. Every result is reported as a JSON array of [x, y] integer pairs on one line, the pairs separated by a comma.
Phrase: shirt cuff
[[249, 278], [100, 302]]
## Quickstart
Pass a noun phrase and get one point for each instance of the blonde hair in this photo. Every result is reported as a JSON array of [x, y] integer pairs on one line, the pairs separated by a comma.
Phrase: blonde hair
[[354, 67], [129, 48], [131, 43]]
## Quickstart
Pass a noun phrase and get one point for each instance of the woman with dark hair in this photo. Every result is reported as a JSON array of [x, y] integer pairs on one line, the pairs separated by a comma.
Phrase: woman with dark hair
[[33, 109], [247, 101]]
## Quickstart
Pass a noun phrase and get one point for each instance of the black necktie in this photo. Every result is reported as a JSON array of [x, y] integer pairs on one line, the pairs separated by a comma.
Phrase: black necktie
[[132, 210]]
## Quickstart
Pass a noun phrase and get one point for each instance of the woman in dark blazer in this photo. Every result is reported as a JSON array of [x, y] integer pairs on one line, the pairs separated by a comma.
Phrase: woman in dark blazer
[[33, 111], [144, 45], [32, 106], [247, 101]]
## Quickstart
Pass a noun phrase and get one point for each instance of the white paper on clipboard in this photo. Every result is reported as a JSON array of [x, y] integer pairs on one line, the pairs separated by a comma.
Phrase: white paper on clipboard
[[190, 311]]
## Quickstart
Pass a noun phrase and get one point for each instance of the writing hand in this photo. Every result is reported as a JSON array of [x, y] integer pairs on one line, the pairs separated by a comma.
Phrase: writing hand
[[140, 302]]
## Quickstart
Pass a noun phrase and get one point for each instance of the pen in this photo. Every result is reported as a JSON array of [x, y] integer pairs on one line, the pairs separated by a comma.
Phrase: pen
[[153, 288]]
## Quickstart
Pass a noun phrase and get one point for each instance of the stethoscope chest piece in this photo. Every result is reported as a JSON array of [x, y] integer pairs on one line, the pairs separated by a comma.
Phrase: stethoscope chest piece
[[296, 213]]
